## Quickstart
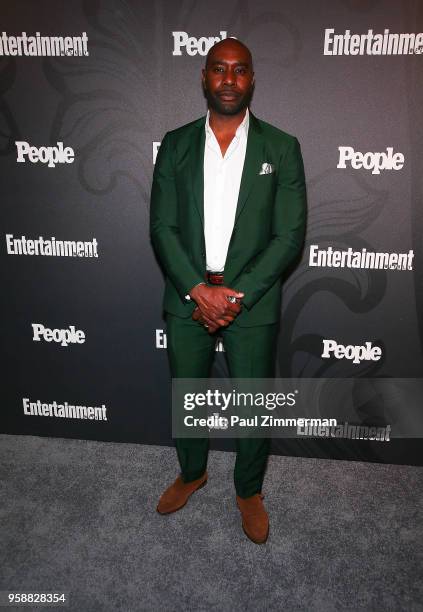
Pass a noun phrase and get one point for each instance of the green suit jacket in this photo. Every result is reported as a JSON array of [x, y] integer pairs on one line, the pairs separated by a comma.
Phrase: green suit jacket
[[269, 224]]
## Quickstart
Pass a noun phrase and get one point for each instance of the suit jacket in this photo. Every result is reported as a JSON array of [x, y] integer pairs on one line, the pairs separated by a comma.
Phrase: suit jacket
[[269, 222]]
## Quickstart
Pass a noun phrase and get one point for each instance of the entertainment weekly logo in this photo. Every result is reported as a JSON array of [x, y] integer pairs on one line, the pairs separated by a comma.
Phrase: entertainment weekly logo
[[372, 44], [161, 341], [183, 43], [364, 259], [24, 45], [45, 155], [50, 247], [65, 410]]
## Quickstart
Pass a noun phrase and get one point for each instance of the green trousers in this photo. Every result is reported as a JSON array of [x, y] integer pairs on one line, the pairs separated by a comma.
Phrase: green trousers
[[250, 353]]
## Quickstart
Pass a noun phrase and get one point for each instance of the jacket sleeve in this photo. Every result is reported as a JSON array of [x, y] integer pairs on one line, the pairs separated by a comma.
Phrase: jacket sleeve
[[288, 229], [164, 223]]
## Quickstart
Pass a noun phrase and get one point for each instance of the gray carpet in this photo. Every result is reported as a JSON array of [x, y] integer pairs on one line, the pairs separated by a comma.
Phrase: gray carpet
[[79, 516]]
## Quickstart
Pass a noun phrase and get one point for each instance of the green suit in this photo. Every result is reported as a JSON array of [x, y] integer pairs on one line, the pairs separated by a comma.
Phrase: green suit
[[268, 235]]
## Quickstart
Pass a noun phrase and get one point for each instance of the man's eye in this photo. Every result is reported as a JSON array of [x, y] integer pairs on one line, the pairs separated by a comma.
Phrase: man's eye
[[218, 69], [241, 70]]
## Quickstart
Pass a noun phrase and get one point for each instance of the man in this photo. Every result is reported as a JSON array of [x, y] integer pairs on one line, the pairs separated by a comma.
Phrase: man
[[228, 208]]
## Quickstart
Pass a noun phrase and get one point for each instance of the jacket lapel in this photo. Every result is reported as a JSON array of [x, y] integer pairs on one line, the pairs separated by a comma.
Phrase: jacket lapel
[[197, 167], [252, 163]]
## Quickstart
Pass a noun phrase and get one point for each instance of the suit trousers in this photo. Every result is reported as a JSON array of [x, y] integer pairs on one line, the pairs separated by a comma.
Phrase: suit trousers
[[250, 353]]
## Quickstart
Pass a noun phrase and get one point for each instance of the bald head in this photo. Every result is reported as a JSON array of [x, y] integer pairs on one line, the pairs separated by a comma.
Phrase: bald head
[[230, 44]]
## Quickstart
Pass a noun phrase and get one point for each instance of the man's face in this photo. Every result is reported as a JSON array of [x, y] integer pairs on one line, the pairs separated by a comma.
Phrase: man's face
[[228, 78]]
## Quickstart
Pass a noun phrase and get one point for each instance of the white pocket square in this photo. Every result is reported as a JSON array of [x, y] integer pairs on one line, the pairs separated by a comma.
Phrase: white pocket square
[[267, 168]]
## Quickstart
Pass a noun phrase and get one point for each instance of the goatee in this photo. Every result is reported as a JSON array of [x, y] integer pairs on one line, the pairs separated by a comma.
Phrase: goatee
[[225, 108]]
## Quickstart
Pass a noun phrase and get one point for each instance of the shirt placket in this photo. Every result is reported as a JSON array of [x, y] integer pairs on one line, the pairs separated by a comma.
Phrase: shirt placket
[[218, 209]]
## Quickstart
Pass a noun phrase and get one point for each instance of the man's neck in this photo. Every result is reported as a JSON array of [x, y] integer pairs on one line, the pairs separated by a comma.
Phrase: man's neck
[[225, 124]]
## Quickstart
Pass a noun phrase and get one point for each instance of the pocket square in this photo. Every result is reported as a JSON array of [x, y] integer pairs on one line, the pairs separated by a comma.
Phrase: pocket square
[[267, 168]]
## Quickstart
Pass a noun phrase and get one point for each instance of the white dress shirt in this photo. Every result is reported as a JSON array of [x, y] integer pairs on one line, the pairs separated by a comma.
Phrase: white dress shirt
[[222, 179]]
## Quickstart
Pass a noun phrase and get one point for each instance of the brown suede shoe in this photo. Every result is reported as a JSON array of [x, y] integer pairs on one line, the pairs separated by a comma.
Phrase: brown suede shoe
[[255, 520], [176, 496]]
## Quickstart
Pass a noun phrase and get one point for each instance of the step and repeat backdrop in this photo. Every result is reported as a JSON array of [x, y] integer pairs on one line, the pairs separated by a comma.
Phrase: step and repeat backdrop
[[88, 89]]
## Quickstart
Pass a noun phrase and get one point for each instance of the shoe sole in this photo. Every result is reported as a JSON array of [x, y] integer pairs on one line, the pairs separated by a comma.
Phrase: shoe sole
[[184, 504]]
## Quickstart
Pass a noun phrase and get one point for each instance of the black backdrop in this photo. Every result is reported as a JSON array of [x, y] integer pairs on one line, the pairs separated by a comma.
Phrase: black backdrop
[[111, 105]]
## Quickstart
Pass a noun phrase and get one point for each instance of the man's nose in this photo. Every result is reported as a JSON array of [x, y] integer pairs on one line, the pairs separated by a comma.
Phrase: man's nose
[[229, 77]]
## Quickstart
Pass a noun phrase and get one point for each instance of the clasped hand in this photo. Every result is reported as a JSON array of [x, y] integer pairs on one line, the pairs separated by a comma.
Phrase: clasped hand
[[213, 308]]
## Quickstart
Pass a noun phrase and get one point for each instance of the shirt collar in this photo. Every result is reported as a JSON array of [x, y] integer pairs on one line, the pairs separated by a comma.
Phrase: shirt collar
[[243, 126]]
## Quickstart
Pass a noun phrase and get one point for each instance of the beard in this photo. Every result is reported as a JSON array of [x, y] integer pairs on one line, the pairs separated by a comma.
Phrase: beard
[[226, 108]]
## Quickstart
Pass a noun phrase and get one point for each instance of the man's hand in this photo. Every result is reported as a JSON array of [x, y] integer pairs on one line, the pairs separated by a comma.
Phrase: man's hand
[[213, 307], [211, 325], [197, 316]]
